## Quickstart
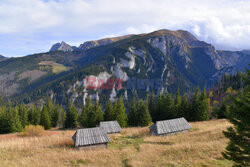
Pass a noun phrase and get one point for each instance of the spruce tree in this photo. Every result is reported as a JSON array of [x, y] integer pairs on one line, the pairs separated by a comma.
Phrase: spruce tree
[[152, 107], [238, 148], [45, 119], [55, 116], [143, 116], [185, 107], [203, 113], [120, 113], [71, 116], [34, 115], [169, 110], [23, 113], [195, 110], [51, 110], [15, 123], [132, 114], [160, 108], [87, 108], [177, 104], [62, 116], [109, 112]]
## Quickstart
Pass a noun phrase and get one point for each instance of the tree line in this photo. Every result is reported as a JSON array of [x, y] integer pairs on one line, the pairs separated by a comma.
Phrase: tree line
[[139, 113]]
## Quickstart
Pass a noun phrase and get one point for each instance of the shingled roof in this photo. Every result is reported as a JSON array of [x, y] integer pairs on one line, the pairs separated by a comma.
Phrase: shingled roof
[[90, 136], [169, 126], [111, 127]]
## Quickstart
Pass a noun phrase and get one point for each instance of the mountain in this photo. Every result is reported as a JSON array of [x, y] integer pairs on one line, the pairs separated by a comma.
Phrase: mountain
[[105, 41], [161, 61], [2, 58], [61, 46]]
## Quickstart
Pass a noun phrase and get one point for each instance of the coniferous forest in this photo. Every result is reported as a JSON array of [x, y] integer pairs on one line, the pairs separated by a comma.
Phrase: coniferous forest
[[199, 106]]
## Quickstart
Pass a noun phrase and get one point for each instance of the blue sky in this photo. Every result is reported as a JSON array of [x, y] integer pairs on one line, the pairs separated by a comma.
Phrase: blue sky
[[32, 26]]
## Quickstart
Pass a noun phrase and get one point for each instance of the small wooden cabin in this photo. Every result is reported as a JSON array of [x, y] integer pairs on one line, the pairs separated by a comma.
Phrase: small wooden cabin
[[90, 138], [110, 127], [171, 126]]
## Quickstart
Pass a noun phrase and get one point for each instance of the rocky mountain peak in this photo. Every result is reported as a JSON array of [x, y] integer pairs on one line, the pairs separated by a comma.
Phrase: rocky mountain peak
[[63, 46]]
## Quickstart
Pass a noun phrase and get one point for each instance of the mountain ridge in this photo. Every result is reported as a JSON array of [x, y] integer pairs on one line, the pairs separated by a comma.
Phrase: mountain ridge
[[175, 58]]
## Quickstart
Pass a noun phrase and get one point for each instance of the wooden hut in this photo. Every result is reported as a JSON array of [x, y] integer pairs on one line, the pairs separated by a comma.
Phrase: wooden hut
[[110, 127], [90, 138], [169, 126]]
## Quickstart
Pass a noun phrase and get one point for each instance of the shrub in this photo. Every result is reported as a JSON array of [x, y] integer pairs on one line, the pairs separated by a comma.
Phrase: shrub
[[33, 130]]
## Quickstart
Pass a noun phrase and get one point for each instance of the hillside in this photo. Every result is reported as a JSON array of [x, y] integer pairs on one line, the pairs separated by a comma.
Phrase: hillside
[[201, 146], [161, 61]]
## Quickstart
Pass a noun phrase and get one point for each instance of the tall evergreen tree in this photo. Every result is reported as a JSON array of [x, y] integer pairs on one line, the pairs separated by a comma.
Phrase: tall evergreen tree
[[87, 108], [23, 113], [132, 114], [34, 115], [160, 108], [15, 123], [45, 119], [109, 112], [177, 104], [62, 116], [51, 110], [169, 110], [238, 148], [195, 110], [152, 107], [120, 113], [185, 107], [143, 116], [55, 115], [71, 116], [203, 113]]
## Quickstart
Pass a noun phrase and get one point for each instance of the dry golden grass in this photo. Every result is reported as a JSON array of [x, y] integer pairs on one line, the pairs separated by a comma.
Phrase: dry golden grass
[[201, 146]]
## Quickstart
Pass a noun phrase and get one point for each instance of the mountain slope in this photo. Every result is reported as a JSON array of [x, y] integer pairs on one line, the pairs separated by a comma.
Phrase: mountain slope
[[161, 61], [2, 58]]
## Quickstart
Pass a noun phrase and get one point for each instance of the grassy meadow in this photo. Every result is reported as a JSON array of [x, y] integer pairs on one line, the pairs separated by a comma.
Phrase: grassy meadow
[[201, 146]]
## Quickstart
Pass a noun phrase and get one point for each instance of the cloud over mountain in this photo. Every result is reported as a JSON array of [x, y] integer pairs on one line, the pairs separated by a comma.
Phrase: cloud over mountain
[[29, 26]]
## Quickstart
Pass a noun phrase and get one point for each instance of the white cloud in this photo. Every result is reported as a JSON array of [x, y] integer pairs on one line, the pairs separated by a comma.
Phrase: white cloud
[[224, 23]]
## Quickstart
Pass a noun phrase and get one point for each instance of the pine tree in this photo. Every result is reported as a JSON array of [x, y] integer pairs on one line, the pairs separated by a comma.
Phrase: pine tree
[[120, 113], [87, 108], [34, 115], [44, 119], [185, 107], [160, 108], [143, 116], [169, 110], [98, 113], [132, 114], [71, 116], [51, 110], [55, 116], [194, 110], [177, 104], [152, 107], [15, 123], [238, 148], [109, 112], [203, 113], [23, 113], [62, 116]]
